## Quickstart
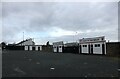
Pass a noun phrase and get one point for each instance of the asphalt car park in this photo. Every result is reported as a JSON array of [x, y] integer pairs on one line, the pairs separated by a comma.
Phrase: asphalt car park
[[48, 64]]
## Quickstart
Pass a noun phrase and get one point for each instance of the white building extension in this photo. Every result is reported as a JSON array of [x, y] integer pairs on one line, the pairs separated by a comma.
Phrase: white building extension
[[96, 45], [58, 46], [33, 47]]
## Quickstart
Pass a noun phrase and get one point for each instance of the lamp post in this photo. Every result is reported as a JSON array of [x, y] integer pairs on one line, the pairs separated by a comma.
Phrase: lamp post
[[23, 38], [76, 36]]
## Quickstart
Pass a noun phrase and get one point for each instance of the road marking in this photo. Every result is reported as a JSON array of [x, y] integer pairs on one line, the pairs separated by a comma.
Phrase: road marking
[[85, 63], [52, 68], [29, 59], [17, 69], [85, 75], [37, 63], [118, 70]]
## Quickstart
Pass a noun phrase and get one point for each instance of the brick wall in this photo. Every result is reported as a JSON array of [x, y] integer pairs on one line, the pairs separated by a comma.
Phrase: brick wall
[[113, 48], [46, 48]]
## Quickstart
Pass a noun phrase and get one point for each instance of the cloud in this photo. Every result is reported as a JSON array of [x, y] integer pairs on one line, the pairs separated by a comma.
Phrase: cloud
[[54, 20], [119, 21], [60, 0], [0, 22]]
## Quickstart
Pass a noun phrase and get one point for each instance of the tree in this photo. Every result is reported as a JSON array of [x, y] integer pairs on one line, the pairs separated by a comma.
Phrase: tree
[[3, 44], [47, 43]]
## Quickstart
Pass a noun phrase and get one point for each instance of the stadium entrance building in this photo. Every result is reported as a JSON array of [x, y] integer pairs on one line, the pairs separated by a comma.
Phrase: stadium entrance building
[[58, 47], [95, 45]]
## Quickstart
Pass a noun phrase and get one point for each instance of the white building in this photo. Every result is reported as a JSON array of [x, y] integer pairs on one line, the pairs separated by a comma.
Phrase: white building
[[96, 45], [29, 45], [58, 46]]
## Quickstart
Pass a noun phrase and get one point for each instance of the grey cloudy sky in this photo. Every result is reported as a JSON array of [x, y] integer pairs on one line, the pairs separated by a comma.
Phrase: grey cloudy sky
[[56, 21]]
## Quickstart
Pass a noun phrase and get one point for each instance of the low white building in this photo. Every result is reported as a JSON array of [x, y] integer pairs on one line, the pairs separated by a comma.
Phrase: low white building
[[33, 47], [96, 45], [58, 46], [29, 45]]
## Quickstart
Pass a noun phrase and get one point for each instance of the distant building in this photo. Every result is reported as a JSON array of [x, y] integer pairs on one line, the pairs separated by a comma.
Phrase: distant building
[[58, 47], [29, 45], [26, 42]]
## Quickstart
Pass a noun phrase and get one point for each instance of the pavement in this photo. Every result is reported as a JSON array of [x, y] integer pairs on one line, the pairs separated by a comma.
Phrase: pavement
[[44, 64]]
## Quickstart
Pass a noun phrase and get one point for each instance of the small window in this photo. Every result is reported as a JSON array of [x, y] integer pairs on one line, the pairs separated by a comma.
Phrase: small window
[[84, 45], [97, 45]]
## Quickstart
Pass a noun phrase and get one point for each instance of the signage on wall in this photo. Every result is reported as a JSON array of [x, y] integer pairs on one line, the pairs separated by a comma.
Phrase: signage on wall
[[96, 39], [58, 43]]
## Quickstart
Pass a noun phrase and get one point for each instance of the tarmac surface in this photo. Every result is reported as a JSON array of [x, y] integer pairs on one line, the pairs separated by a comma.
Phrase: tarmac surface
[[44, 64]]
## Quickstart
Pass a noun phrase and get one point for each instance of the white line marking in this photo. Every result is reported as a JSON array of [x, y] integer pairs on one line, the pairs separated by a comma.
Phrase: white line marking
[[19, 70], [37, 63], [52, 68], [85, 63], [118, 70], [29, 59]]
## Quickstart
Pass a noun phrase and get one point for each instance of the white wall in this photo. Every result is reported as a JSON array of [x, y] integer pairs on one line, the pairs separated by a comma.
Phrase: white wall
[[105, 47], [60, 48], [84, 49], [97, 50], [26, 47], [55, 49], [36, 48], [30, 47], [40, 48]]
